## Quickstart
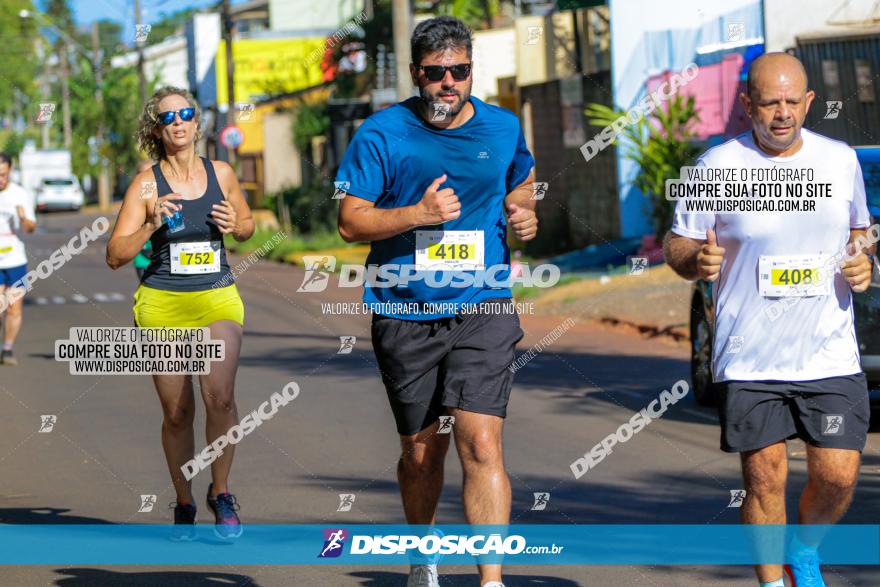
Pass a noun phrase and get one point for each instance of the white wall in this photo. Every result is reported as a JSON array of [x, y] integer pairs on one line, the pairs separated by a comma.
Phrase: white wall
[[169, 64], [493, 50], [281, 161], [203, 38], [303, 15], [549, 55], [167, 60], [783, 22]]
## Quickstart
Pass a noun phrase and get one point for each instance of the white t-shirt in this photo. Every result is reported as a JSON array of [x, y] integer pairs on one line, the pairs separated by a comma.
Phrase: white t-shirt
[[783, 338], [12, 252]]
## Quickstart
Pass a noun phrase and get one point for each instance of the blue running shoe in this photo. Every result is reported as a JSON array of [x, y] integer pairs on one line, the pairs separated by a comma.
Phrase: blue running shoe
[[226, 525], [804, 571]]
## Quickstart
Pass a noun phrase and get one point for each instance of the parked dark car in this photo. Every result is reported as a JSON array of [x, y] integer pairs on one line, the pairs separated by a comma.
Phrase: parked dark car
[[866, 308]]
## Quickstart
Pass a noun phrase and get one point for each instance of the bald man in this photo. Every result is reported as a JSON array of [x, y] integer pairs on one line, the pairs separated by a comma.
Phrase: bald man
[[785, 356]]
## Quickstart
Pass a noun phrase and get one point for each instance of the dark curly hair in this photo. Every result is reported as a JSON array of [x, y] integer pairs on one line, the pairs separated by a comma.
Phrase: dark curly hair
[[439, 34]]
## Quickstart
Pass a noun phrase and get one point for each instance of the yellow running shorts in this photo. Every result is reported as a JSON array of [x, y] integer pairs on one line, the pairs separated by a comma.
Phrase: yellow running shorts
[[154, 308]]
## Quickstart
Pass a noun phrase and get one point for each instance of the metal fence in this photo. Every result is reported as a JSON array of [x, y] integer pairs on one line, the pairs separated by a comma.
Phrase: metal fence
[[844, 71]]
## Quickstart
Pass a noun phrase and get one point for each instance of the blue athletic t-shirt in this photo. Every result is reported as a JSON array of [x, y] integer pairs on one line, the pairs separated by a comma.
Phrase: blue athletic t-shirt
[[393, 158]]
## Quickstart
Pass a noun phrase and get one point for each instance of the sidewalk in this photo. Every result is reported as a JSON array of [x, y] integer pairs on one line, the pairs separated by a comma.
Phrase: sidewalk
[[656, 303]]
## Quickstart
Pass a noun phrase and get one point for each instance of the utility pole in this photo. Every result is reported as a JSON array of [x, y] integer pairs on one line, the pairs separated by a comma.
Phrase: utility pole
[[44, 87], [230, 75], [103, 176], [401, 19], [65, 96], [139, 42]]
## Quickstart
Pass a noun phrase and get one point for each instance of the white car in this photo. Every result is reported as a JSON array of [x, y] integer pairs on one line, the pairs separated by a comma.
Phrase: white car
[[59, 193]]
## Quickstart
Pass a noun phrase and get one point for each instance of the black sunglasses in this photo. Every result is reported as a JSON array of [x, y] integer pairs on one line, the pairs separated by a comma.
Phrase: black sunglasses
[[186, 114], [435, 73]]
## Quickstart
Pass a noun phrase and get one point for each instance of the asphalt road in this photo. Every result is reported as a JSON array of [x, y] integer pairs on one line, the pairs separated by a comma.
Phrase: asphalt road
[[338, 437]]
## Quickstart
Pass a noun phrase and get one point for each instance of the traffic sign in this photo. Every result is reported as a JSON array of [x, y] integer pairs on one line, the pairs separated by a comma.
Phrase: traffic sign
[[231, 137]]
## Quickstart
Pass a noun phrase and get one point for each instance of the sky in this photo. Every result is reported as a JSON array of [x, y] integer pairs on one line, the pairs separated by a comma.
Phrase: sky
[[86, 11]]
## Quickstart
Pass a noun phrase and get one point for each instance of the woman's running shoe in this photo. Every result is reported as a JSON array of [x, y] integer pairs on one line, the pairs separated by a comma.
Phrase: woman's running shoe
[[226, 525]]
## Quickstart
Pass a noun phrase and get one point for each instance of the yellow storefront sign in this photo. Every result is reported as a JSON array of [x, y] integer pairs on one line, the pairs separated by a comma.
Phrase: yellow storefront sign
[[265, 68], [269, 67]]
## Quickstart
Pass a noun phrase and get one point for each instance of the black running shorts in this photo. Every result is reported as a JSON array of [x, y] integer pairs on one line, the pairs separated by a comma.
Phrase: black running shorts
[[827, 413], [459, 362]]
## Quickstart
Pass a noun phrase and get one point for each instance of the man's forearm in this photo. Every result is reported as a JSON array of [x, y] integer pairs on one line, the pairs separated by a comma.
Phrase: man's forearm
[[374, 224], [27, 225], [681, 255], [523, 196]]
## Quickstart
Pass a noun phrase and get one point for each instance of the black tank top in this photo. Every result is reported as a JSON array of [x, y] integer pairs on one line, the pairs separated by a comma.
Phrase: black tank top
[[199, 227]]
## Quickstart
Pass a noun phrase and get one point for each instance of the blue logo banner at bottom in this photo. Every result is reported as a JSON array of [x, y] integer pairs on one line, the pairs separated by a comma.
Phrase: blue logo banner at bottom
[[524, 544]]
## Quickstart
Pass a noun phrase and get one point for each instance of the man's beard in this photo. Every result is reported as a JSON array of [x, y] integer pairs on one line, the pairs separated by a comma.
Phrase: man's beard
[[430, 102]]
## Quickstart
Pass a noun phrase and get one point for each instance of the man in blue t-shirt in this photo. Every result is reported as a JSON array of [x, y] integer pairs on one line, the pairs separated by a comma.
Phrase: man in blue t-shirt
[[433, 184]]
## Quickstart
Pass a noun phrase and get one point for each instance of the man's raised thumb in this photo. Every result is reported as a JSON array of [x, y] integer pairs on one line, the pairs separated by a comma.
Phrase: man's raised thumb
[[711, 239]]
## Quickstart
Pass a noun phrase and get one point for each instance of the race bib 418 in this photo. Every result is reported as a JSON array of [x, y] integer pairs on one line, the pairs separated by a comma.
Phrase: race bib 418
[[449, 250]]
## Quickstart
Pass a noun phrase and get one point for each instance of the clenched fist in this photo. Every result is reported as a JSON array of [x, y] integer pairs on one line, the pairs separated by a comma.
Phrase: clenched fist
[[523, 221], [438, 206], [857, 269]]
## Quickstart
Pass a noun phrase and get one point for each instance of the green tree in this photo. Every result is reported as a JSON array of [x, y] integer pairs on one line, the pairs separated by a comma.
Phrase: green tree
[[477, 14], [14, 144], [122, 108], [119, 116], [660, 145], [18, 58], [109, 39], [58, 13], [84, 116], [57, 24], [309, 120], [378, 30]]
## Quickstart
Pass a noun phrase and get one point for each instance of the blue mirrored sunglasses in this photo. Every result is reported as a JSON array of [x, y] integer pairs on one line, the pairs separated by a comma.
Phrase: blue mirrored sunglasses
[[186, 114]]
